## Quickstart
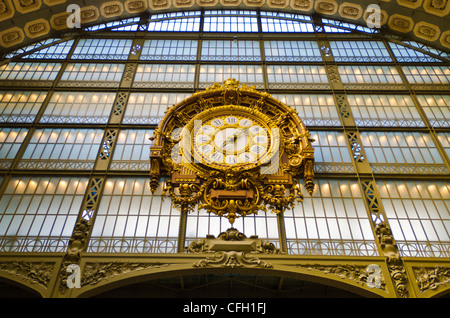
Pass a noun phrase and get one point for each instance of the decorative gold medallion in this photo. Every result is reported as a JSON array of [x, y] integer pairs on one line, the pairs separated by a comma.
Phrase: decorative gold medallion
[[233, 151]]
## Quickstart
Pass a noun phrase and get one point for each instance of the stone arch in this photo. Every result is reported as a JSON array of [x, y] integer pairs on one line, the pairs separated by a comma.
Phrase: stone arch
[[295, 275], [18, 288]]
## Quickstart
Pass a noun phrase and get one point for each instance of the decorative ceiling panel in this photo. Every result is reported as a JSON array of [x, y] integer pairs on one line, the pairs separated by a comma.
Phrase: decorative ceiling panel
[[23, 22]]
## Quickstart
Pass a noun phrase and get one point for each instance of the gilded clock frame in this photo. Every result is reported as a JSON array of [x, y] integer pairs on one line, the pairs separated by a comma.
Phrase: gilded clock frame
[[196, 161]]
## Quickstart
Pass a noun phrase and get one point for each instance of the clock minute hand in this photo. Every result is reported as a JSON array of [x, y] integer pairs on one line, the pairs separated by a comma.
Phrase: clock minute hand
[[235, 135]]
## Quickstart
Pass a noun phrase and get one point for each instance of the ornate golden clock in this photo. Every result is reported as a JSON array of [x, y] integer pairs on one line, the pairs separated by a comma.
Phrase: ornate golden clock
[[231, 136], [233, 151]]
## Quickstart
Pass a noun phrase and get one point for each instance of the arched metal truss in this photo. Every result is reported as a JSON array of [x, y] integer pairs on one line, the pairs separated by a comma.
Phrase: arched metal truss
[[25, 22]]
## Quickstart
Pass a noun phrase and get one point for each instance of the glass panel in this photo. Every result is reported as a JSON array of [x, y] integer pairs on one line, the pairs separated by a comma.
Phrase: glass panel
[[331, 152], [427, 74], [296, 76], [333, 221], [55, 148], [437, 109], [132, 220], [292, 51], [232, 50], [369, 74], [444, 139], [29, 71], [405, 54], [175, 22], [102, 49], [32, 47], [285, 25], [20, 106], [164, 75], [359, 51], [170, 50], [230, 21], [99, 73], [427, 49], [200, 224], [149, 108], [384, 110], [313, 109], [130, 25], [345, 27], [402, 152], [57, 51], [419, 214], [132, 150], [40, 213], [251, 75], [79, 107], [10, 142]]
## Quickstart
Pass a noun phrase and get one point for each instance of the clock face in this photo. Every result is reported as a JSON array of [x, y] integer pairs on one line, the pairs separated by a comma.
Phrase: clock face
[[226, 138]]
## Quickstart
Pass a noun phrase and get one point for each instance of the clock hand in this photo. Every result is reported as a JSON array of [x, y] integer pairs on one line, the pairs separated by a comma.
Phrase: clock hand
[[234, 136]]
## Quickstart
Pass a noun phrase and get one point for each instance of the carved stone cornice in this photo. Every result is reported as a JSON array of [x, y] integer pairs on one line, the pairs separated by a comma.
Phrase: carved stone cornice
[[232, 240], [355, 273], [95, 273], [430, 278], [232, 249], [232, 259], [35, 272]]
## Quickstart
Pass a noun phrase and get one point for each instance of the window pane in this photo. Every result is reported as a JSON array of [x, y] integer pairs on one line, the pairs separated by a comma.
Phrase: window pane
[[40, 213], [79, 107], [132, 150], [405, 54], [170, 50], [104, 49], [29, 71], [132, 220], [236, 51], [369, 74], [20, 106], [384, 110], [92, 74], [251, 75], [149, 108], [331, 152], [175, 22], [419, 213], [297, 76], [359, 51], [55, 148], [427, 74], [292, 51], [313, 109], [339, 225], [10, 141], [230, 21], [402, 152], [437, 109], [164, 75]]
